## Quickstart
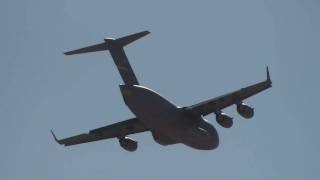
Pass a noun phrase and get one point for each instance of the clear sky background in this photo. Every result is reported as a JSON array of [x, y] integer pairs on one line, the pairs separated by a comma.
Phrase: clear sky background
[[196, 50]]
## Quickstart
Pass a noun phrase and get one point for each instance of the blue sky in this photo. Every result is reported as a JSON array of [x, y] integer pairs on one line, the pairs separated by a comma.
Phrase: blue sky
[[196, 50]]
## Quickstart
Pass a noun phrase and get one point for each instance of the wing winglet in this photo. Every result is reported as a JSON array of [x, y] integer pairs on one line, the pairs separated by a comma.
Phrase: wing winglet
[[55, 137], [268, 75]]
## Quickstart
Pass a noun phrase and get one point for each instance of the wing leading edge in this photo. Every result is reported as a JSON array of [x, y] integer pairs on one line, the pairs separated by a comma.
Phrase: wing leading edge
[[216, 104], [117, 130]]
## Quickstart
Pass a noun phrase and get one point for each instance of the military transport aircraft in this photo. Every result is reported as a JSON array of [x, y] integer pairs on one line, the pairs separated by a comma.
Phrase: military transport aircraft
[[168, 122]]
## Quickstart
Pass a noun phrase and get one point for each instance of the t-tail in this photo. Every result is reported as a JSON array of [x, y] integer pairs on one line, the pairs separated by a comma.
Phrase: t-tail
[[115, 46]]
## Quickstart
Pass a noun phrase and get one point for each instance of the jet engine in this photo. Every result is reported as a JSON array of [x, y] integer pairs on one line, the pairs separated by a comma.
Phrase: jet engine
[[224, 120], [128, 144], [245, 111]]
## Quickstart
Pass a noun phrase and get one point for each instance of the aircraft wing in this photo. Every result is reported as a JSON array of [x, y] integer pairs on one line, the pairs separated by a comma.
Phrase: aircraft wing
[[116, 130], [216, 104]]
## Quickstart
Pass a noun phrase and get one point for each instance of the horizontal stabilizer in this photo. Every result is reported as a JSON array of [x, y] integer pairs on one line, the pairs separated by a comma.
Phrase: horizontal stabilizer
[[115, 47], [109, 42], [93, 48], [130, 38]]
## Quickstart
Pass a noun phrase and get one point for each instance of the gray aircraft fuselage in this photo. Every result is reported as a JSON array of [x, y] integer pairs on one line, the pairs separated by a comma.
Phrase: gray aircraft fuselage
[[168, 122]]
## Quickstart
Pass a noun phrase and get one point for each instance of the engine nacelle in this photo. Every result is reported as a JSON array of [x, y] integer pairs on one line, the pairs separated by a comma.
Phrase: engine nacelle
[[245, 111], [224, 120], [128, 144]]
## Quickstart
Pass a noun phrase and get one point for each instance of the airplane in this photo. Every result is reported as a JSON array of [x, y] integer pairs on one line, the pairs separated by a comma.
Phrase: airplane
[[168, 123]]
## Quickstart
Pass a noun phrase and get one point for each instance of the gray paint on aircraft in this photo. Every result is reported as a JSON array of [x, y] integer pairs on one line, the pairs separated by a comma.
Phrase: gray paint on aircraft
[[169, 123]]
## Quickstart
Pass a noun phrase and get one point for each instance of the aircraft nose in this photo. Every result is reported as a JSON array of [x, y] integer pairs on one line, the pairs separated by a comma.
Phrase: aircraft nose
[[210, 140], [215, 142], [214, 138]]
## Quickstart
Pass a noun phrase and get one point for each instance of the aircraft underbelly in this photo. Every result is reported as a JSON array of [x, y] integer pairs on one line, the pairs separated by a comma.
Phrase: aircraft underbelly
[[163, 139], [148, 106], [166, 120]]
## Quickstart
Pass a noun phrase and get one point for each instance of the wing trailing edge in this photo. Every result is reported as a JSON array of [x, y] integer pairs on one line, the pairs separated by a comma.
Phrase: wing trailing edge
[[217, 104], [116, 130]]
